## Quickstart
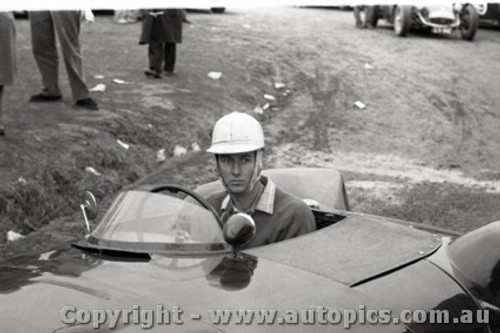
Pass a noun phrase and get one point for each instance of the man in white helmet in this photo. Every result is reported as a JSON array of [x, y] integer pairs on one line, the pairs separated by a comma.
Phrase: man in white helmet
[[238, 145]]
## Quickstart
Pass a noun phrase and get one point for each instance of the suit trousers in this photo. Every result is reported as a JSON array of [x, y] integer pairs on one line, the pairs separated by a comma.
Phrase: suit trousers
[[45, 25], [159, 54]]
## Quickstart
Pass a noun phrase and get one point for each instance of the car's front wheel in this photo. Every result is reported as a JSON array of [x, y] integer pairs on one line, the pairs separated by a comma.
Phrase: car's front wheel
[[469, 22], [402, 20]]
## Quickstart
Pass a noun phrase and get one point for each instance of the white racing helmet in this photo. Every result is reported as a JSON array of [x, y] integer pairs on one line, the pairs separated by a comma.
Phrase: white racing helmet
[[236, 133]]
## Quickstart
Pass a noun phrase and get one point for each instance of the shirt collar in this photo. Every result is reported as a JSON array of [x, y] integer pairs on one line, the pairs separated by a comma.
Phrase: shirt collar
[[266, 200]]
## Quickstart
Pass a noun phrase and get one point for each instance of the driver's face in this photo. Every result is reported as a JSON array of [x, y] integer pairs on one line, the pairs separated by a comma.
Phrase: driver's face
[[236, 170]]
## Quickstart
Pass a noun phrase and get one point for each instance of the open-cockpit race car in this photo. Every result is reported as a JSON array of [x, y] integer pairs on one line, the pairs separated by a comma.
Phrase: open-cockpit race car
[[437, 18], [160, 259]]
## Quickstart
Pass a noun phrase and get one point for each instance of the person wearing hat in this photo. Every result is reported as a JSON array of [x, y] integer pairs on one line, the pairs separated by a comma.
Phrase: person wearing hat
[[162, 30], [238, 146]]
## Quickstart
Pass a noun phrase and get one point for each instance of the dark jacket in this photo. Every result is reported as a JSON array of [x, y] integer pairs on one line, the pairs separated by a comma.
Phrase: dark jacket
[[166, 28]]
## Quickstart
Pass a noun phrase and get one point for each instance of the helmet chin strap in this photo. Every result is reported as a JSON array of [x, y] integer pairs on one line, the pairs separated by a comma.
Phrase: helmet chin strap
[[257, 169]]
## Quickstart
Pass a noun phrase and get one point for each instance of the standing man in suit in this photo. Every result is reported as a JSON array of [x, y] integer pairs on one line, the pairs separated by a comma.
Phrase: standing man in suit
[[7, 56], [162, 30], [44, 27]]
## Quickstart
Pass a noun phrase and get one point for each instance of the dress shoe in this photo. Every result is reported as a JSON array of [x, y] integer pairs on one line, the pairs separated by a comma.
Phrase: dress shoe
[[168, 73], [87, 103], [152, 74], [45, 98]]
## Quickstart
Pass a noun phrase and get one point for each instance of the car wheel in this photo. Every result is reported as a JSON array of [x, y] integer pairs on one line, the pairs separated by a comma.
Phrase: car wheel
[[402, 20], [469, 22], [218, 10]]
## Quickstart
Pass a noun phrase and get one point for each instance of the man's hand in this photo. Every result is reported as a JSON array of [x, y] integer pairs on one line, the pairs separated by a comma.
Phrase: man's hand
[[87, 16]]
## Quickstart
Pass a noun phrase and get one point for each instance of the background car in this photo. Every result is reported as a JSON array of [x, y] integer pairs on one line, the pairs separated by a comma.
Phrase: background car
[[213, 7], [437, 19], [489, 14]]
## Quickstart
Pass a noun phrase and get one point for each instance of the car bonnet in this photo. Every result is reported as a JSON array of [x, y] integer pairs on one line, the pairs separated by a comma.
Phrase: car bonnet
[[353, 250]]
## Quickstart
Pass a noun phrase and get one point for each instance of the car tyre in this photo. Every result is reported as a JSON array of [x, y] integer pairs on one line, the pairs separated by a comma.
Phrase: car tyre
[[218, 10], [469, 22], [402, 20]]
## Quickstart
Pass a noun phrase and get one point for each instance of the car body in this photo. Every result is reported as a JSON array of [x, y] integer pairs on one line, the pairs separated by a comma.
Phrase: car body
[[438, 19], [213, 7], [489, 14], [163, 262]]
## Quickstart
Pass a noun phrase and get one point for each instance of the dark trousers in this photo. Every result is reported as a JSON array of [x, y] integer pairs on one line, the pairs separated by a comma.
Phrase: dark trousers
[[159, 54], [369, 13]]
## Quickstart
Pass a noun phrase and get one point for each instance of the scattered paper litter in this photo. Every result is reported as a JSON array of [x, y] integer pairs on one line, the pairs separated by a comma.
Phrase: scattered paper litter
[[119, 81], [46, 256], [360, 105], [279, 85], [266, 106], [99, 87], [214, 75], [368, 66], [149, 125], [22, 180], [160, 155], [195, 146], [258, 110], [179, 151], [93, 171], [269, 97], [123, 144], [246, 26], [99, 76], [13, 236]]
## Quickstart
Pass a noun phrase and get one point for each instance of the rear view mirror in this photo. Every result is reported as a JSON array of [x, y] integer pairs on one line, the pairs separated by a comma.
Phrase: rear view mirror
[[239, 230], [89, 208]]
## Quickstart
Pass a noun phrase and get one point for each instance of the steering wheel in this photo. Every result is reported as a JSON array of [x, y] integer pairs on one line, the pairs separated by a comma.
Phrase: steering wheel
[[202, 201]]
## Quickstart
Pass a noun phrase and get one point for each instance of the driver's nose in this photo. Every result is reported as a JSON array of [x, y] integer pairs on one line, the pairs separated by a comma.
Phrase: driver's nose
[[236, 170]]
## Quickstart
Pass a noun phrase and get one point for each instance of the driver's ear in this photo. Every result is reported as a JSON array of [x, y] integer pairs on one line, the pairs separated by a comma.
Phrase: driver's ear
[[217, 164]]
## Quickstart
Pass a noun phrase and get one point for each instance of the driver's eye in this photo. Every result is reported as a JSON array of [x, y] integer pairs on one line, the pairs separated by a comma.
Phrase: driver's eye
[[225, 160]]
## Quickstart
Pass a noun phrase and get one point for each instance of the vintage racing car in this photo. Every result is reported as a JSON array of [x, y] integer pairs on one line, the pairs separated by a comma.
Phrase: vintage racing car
[[489, 14], [439, 19], [160, 259]]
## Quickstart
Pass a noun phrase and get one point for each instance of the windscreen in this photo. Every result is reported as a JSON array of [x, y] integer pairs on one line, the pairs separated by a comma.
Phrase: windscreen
[[145, 217]]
